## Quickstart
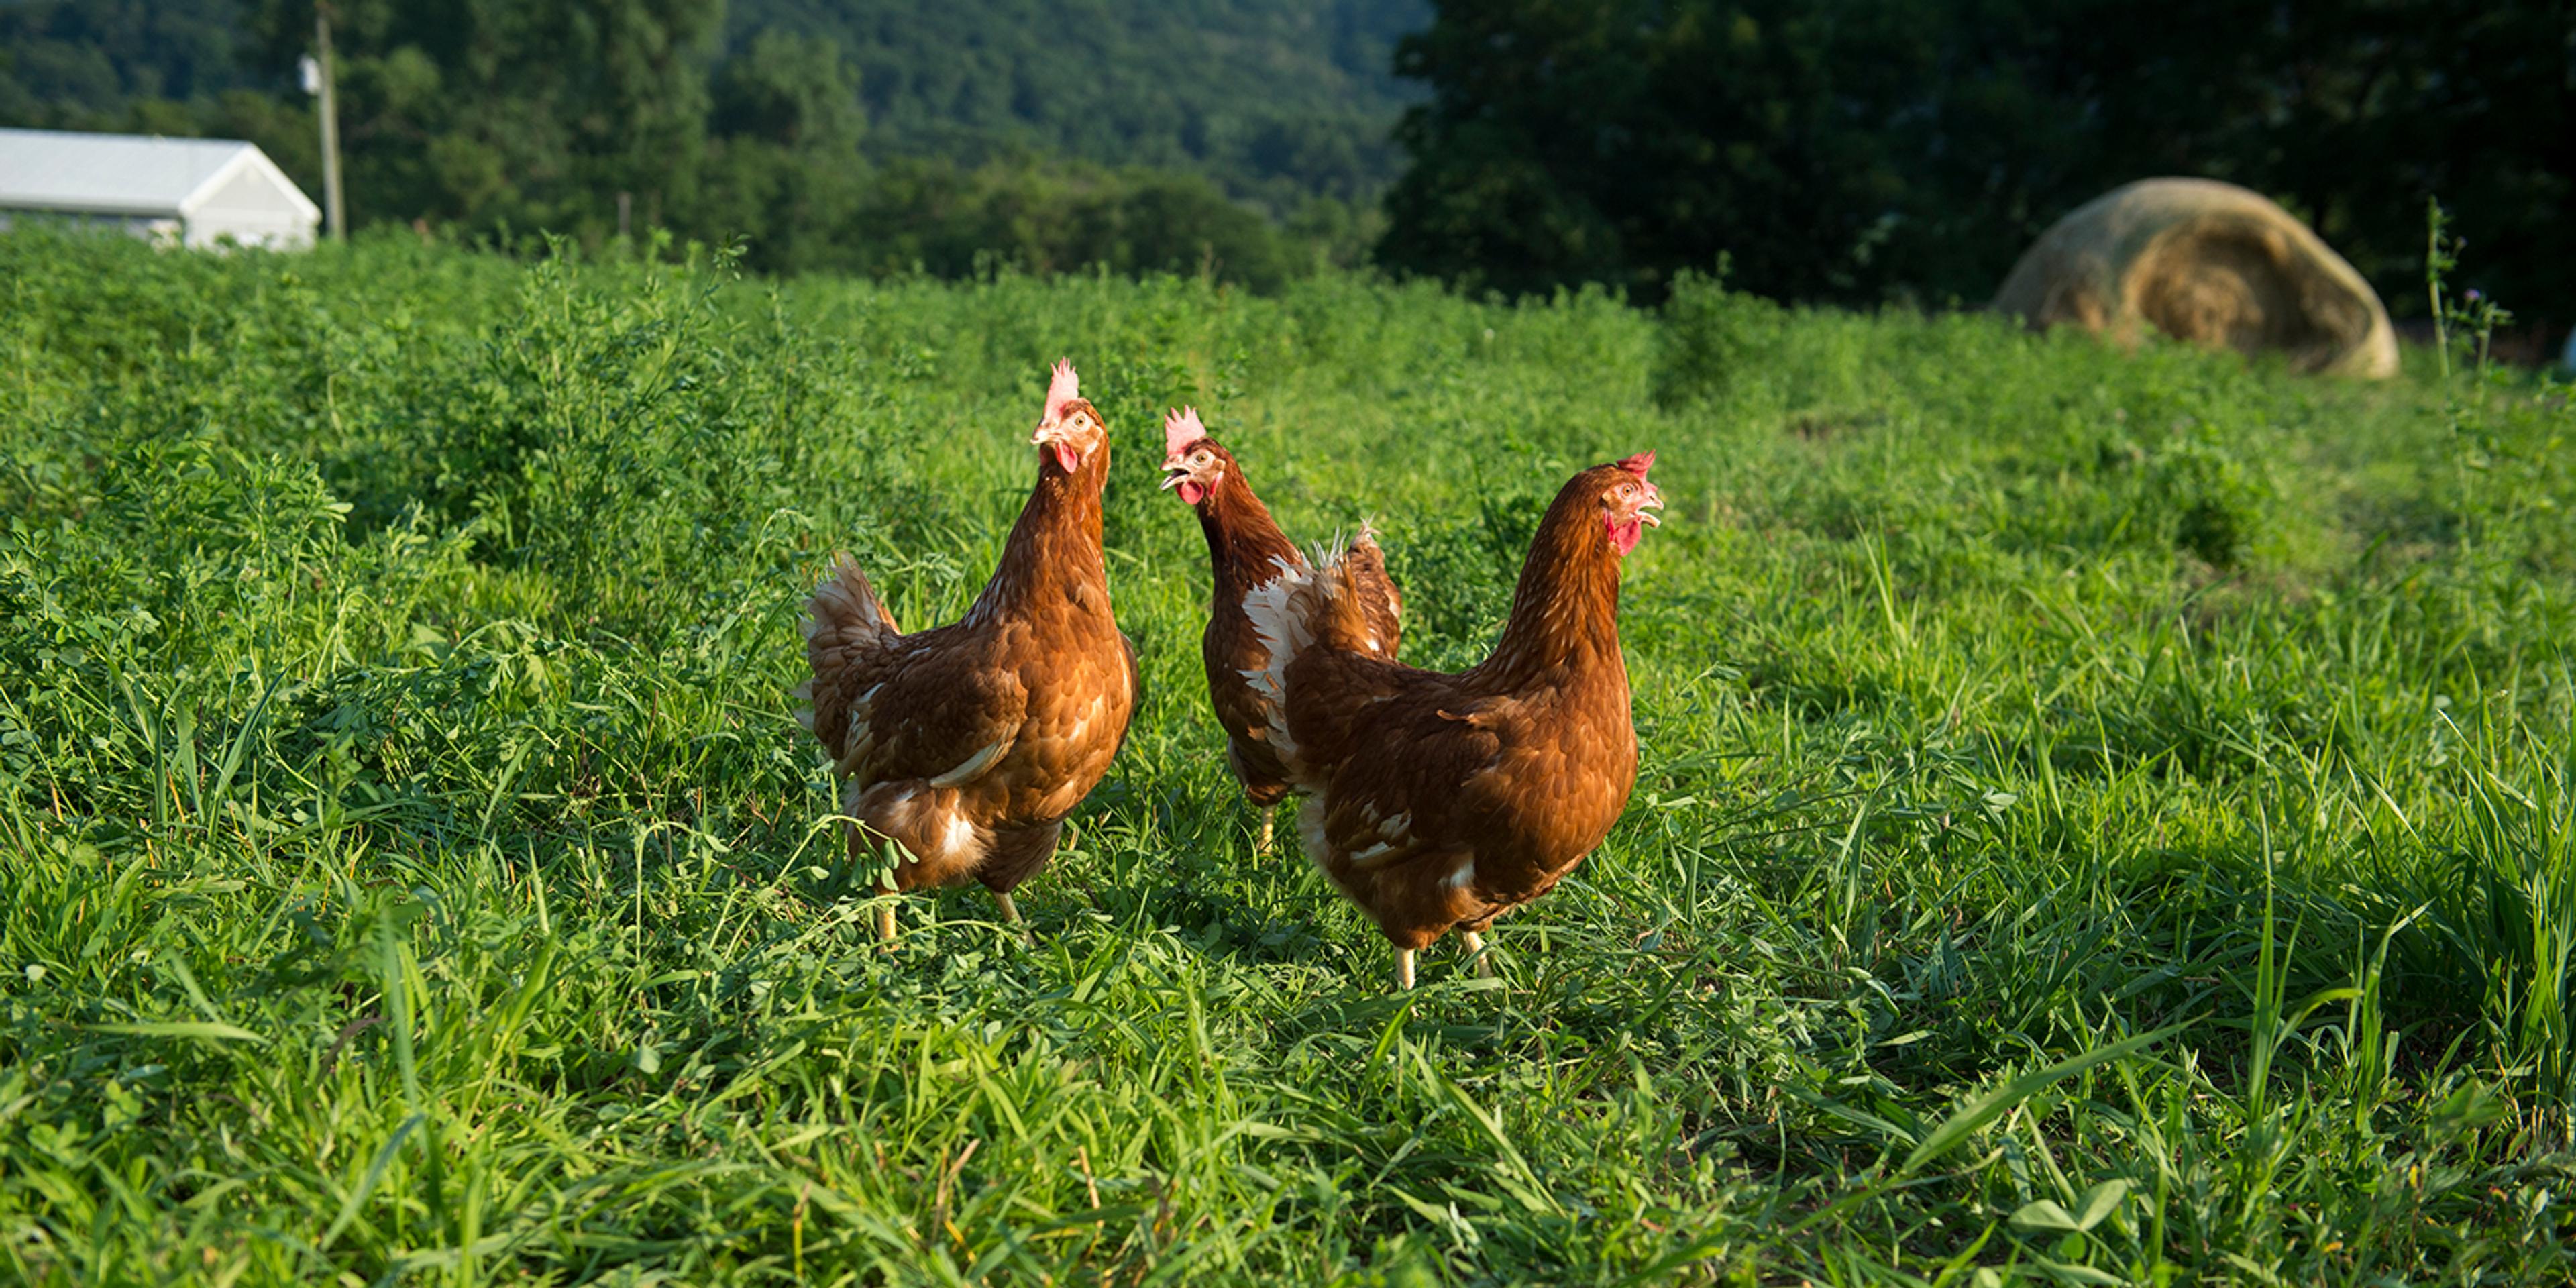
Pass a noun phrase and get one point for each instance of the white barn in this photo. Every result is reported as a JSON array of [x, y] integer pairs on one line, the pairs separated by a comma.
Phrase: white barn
[[190, 192]]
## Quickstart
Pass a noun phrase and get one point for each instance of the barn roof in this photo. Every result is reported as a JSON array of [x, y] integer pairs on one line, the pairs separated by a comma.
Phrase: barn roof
[[127, 174]]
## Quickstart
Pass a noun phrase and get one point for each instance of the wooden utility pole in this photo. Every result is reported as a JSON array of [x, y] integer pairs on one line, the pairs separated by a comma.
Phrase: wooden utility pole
[[333, 210]]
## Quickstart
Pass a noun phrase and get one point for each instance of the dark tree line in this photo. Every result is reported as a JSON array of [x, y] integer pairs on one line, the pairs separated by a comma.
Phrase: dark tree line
[[1859, 150]]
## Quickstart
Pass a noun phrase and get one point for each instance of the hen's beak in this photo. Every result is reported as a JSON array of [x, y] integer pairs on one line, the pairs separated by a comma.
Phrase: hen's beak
[[1654, 501], [1051, 436], [1177, 477]]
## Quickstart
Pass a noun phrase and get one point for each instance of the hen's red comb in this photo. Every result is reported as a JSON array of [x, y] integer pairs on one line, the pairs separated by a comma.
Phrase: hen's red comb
[[1639, 463], [1181, 428], [1064, 388]]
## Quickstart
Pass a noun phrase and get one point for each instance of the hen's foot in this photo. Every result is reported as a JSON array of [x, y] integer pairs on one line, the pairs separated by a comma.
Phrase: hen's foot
[[1404, 969], [1476, 949], [1011, 916]]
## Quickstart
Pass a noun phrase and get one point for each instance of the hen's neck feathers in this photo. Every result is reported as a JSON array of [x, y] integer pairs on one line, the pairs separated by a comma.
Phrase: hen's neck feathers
[[1244, 543], [1565, 612], [1053, 553]]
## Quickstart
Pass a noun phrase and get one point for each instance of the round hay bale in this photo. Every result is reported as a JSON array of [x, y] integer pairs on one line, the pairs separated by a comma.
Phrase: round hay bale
[[2205, 262]]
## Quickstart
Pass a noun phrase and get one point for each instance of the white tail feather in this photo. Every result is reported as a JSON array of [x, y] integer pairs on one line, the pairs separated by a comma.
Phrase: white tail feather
[[1284, 613], [1277, 618]]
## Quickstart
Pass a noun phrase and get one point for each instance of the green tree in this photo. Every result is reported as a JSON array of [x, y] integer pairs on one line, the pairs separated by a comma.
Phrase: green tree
[[790, 89], [1273, 100], [483, 114], [1620, 142], [782, 165], [79, 63], [1863, 149]]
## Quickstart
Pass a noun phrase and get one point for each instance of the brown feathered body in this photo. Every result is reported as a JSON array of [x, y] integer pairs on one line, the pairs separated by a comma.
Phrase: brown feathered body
[[1246, 554], [969, 744], [1442, 801]]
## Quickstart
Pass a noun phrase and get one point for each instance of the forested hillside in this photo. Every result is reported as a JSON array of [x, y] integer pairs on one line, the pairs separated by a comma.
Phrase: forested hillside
[[1247, 136], [1274, 98], [63, 61]]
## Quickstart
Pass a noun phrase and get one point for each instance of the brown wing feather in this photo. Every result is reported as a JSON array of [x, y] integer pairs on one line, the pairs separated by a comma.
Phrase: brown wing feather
[[1444, 806], [918, 707], [1408, 787], [891, 706]]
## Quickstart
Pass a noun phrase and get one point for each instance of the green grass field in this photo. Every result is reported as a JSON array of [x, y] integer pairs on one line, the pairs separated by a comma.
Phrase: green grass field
[[2103, 818]]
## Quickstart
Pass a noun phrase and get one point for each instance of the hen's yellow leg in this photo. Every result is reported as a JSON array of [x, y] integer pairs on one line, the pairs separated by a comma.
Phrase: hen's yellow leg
[[1011, 915], [1476, 949]]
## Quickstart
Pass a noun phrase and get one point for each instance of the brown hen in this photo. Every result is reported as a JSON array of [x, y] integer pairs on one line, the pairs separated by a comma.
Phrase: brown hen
[[1441, 801], [968, 744], [1247, 552]]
